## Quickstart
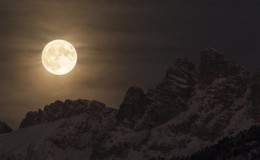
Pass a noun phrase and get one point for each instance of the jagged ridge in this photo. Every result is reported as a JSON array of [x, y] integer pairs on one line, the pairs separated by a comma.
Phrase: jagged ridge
[[59, 110]]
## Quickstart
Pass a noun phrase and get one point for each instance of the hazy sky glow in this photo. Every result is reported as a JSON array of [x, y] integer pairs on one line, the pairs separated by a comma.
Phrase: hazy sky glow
[[119, 44]]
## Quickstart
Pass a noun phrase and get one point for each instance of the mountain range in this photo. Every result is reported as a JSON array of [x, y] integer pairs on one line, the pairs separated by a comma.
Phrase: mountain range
[[191, 109]]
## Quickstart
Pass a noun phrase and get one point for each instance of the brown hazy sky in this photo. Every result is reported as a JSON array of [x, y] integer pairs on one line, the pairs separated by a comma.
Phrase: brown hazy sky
[[120, 43]]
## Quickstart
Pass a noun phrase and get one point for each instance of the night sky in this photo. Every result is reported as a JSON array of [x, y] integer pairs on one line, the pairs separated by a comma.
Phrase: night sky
[[120, 43]]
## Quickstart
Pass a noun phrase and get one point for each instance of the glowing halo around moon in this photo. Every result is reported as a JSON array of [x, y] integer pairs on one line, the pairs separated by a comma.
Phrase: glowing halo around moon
[[59, 57]]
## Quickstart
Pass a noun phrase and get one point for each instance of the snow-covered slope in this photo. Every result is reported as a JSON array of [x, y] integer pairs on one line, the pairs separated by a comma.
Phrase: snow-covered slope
[[69, 138], [188, 110]]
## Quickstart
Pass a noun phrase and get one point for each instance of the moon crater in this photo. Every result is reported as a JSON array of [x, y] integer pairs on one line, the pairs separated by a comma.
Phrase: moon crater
[[59, 57]]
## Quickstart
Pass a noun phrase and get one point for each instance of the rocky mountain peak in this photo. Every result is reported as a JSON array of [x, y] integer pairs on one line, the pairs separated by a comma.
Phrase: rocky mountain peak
[[4, 128], [133, 95], [179, 79], [170, 96], [131, 107], [214, 65]]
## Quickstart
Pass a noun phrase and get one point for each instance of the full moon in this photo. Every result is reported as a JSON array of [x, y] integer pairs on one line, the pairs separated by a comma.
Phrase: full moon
[[59, 57]]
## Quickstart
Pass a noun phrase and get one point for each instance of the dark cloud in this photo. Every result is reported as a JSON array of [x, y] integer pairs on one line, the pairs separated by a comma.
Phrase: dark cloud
[[119, 44]]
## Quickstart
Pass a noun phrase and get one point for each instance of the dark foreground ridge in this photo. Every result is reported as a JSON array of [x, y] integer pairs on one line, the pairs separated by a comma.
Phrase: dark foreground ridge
[[187, 111], [4, 128]]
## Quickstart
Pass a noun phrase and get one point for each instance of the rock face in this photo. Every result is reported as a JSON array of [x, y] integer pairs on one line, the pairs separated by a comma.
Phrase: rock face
[[132, 107], [188, 110], [4, 128]]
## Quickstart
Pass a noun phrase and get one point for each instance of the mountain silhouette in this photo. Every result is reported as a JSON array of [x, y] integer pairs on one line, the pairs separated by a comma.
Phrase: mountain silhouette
[[190, 109]]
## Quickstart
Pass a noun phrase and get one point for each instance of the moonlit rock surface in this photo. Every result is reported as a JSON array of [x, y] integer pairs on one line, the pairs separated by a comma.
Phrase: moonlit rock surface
[[183, 114]]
